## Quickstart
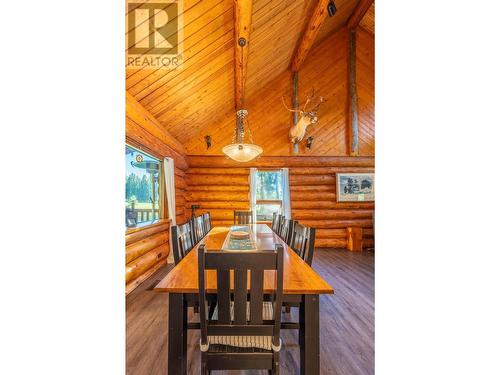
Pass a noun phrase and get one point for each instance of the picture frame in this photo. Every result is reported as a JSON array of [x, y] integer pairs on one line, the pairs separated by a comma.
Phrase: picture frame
[[355, 187]]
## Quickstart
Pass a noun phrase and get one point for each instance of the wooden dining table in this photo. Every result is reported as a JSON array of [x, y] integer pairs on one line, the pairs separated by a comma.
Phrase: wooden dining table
[[301, 284]]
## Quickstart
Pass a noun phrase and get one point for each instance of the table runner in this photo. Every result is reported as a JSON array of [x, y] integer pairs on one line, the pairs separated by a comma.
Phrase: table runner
[[231, 243]]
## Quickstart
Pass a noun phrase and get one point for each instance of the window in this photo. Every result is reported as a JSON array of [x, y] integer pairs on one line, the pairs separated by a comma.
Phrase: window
[[269, 194], [142, 178]]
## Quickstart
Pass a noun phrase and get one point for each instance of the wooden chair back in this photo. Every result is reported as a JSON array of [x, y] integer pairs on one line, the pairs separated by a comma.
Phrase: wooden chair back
[[182, 240], [198, 228], [302, 242], [286, 230], [279, 223], [276, 221], [245, 266], [207, 223], [243, 217]]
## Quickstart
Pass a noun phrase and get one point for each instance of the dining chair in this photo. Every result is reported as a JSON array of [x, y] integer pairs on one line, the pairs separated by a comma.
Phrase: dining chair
[[182, 240], [207, 223], [198, 228], [244, 331], [302, 242], [275, 223], [243, 217], [286, 230], [278, 224]]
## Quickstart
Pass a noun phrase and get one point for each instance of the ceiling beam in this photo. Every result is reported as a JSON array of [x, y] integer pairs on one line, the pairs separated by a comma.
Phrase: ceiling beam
[[309, 35], [242, 24], [353, 119], [141, 116], [358, 13]]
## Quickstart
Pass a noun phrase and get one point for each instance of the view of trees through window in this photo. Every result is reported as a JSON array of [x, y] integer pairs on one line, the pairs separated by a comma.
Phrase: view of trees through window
[[141, 187], [269, 194]]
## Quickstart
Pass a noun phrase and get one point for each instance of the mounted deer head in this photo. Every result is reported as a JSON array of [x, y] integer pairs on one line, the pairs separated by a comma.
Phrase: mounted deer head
[[306, 118]]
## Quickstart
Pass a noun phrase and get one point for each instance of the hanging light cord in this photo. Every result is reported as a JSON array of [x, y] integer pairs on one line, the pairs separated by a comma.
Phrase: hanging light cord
[[239, 134]]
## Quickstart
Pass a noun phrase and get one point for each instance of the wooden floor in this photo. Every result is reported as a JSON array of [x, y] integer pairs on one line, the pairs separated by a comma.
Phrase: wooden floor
[[346, 322]]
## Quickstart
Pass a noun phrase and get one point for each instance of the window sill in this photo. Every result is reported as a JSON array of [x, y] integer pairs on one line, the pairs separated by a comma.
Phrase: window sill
[[145, 225]]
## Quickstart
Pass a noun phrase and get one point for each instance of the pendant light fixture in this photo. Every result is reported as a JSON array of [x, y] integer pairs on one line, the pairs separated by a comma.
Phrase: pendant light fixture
[[239, 150]]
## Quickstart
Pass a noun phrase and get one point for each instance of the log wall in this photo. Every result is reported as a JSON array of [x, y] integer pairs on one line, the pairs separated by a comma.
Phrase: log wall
[[146, 251], [220, 186]]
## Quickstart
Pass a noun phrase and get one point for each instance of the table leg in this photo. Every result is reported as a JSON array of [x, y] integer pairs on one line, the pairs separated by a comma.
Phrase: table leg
[[309, 335], [177, 334]]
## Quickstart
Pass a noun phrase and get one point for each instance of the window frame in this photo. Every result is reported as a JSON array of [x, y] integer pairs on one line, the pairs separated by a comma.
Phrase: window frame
[[268, 201], [162, 204]]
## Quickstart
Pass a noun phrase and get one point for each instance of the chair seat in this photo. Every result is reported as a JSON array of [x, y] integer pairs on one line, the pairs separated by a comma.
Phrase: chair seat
[[250, 342], [221, 343]]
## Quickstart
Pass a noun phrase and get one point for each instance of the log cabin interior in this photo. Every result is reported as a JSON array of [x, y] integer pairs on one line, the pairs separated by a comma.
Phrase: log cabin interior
[[250, 235], [271, 112]]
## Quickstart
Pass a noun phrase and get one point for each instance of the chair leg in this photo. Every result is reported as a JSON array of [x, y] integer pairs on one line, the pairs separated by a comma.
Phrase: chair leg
[[276, 364], [204, 368]]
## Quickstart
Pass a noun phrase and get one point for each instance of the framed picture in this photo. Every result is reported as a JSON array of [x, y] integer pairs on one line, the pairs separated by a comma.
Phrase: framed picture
[[355, 187]]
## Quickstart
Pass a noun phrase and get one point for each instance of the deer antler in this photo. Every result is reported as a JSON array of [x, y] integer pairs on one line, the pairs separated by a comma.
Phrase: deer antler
[[291, 110], [309, 98], [321, 101]]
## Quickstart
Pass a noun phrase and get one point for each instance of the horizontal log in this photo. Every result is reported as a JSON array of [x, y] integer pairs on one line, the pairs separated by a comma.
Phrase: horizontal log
[[139, 234], [179, 211], [136, 282], [299, 204], [329, 170], [207, 206], [331, 233], [179, 172], [368, 232], [312, 196], [222, 214], [330, 242], [204, 161], [218, 171], [210, 179], [219, 188], [140, 265], [180, 200], [315, 179], [331, 214], [180, 182], [292, 170], [299, 188], [141, 247], [332, 224], [235, 196]]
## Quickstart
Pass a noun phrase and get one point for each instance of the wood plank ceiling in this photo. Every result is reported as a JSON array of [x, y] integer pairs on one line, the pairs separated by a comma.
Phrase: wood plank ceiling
[[201, 92], [368, 21]]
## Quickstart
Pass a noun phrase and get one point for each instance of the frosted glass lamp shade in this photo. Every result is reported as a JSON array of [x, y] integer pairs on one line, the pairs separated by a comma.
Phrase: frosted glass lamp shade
[[242, 152]]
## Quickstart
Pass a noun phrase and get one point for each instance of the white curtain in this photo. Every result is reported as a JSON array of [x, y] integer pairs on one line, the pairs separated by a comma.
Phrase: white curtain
[[253, 193], [168, 167], [285, 184]]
